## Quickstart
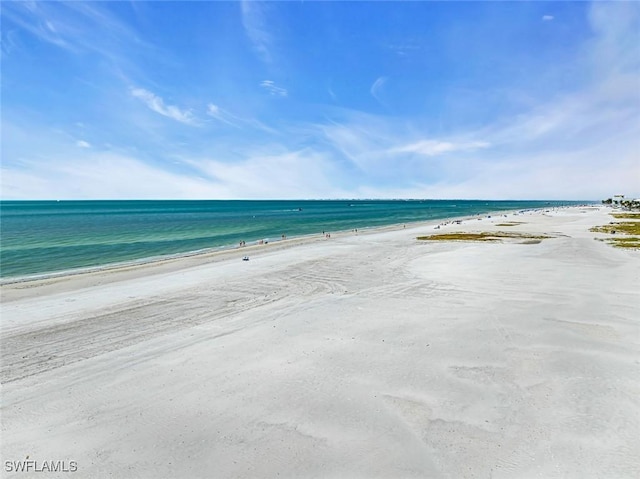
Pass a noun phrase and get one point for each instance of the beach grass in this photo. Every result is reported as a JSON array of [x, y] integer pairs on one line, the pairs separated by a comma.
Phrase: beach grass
[[632, 242], [481, 236], [631, 229], [510, 223], [628, 216], [626, 227]]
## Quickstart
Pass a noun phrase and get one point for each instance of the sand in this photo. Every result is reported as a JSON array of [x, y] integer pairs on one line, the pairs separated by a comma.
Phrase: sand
[[368, 355]]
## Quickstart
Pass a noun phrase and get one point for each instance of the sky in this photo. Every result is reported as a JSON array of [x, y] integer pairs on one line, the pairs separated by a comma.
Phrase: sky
[[278, 100]]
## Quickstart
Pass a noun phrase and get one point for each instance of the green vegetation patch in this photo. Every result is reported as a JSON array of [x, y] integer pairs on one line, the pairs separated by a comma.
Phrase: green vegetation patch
[[510, 223], [482, 236], [633, 242], [630, 230], [626, 216], [627, 228]]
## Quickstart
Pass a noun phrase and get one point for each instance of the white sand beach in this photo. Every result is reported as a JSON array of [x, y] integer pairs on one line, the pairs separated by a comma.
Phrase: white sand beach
[[363, 355]]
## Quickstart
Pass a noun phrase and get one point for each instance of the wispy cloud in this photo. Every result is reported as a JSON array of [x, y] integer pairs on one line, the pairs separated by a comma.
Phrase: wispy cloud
[[255, 26], [224, 116], [360, 141], [543, 174], [99, 175], [76, 27], [382, 152], [273, 90], [605, 108], [438, 147], [157, 104], [547, 18], [376, 88], [309, 174], [83, 144], [405, 48], [615, 50], [41, 22]]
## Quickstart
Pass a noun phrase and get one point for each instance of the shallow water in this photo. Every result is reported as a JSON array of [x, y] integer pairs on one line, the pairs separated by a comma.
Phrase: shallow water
[[48, 236]]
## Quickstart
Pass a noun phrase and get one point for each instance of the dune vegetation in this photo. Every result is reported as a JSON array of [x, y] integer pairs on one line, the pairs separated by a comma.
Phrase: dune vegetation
[[627, 216], [482, 236], [510, 223], [627, 228], [630, 230]]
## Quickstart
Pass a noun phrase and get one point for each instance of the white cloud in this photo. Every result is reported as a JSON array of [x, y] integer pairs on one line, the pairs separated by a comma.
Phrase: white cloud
[[255, 26], [213, 110], [224, 116], [579, 174], [274, 172], [82, 144], [581, 145], [383, 150], [54, 168], [376, 88], [361, 141], [606, 108], [157, 104], [437, 147], [273, 90], [615, 50], [36, 19], [99, 175], [547, 18], [76, 27], [219, 114]]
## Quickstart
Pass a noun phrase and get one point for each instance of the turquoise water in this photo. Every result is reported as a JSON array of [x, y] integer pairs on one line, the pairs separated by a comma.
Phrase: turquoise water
[[39, 237]]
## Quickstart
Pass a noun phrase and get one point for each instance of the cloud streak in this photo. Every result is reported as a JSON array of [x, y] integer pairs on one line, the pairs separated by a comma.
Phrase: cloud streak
[[273, 89], [157, 104], [214, 111], [260, 175], [76, 27], [438, 147], [255, 27], [99, 175], [376, 88]]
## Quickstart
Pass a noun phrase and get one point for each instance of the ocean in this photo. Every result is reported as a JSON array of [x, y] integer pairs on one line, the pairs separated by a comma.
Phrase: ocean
[[44, 237]]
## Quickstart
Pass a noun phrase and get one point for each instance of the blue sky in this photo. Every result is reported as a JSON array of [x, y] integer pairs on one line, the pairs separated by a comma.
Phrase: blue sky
[[496, 100]]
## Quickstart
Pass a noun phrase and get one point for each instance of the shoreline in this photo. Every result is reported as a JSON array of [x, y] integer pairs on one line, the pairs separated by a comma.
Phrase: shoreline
[[221, 251]]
